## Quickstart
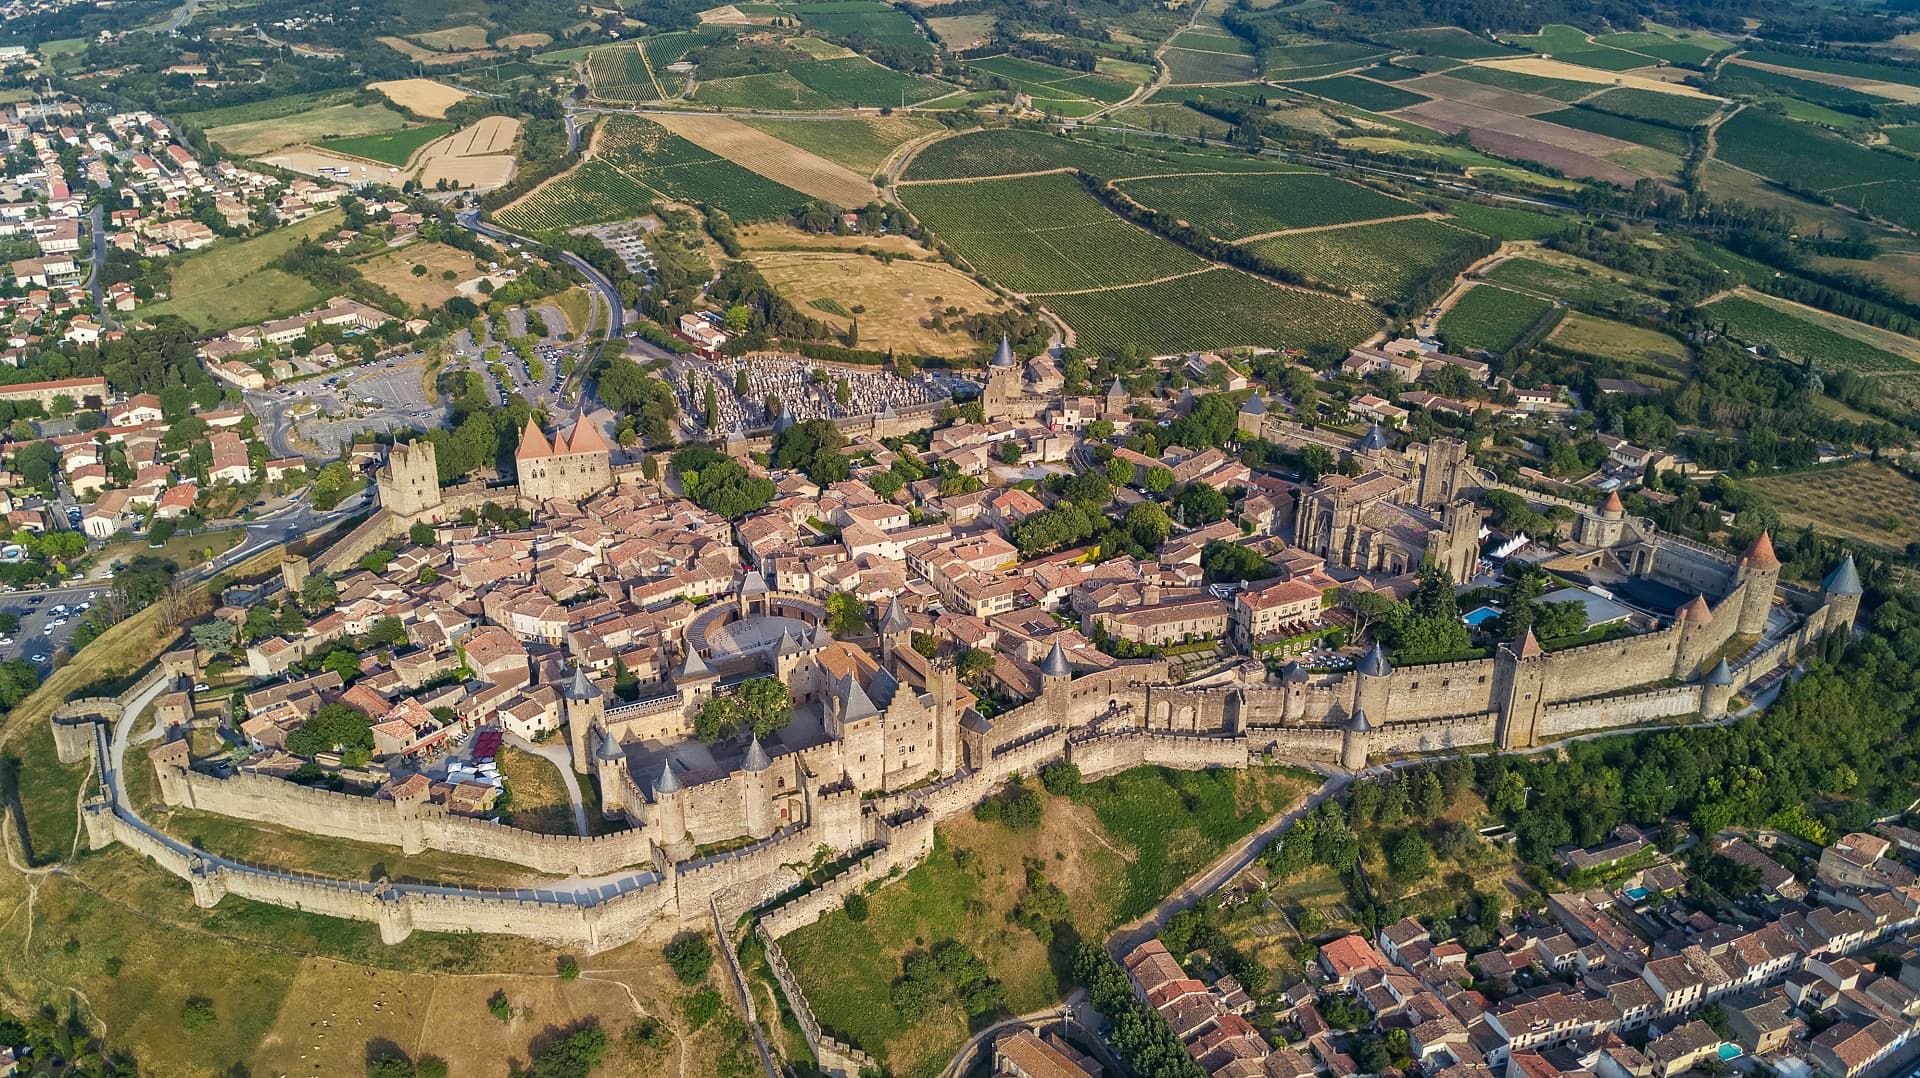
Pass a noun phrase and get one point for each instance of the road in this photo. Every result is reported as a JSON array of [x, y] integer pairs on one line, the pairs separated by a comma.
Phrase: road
[[96, 223]]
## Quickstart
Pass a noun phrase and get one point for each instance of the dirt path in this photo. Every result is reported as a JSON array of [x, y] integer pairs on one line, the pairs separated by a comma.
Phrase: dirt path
[[652, 75], [1208, 268], [1429, 216], [1424, 324], [984, 179]]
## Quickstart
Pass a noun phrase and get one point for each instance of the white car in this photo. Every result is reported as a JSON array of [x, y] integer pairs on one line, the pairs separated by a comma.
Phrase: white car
[[6, 639]]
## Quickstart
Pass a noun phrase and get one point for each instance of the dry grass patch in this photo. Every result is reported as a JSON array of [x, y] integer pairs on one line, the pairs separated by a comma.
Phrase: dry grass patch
[[423, 96], [335, 121], [534, 40], [900, 299], [407, 48], [479, 155], [1870, 502], [454, 38], [782, 237], [808, 173], [1604, 337], [1555, 69], [962, 31], [393, 270]]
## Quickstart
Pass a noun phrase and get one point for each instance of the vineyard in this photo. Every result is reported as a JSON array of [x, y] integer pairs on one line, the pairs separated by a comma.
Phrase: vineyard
[[1221, 308], [1379, 262], [1523, 83], [1002, 151], [665, 49], [1570, 45], [1056, 88], [1806, 157], [1236, 207], [1207, 39], [1593, 289], [1448, 41], [1757, 324], [858, 81], [1738, 78], [1192, 67], [619, 73], [1672, 110], [1489, 318], [863, 18], [1043, 234], [1672, 140], [1505, 222], [775, 91], [1317, 58], [637, 161], [1361, 93], [1686, 47]]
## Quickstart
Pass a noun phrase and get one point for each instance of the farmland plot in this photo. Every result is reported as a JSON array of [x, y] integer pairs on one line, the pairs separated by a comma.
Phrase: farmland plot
[[1361, 93], [1805, 157], [1221, 308], [1380, 262], [1043, 234], [1594, 289], [1448, 41], [1652, 107], [858, 81], [1192, 67], [1002, 152], [1237, 207], [1489, 318], [1762, 324], [619, 73]]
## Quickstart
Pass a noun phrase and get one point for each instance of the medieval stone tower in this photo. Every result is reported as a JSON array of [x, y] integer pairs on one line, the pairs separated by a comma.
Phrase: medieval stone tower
[[1446, 473], [1519, 690], [409, 482], [1841, 589], [1003, 382], [584, 711], [1604, 527], [1759, 573]]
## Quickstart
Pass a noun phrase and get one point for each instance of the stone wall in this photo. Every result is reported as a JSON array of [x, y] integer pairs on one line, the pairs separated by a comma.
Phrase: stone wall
[[1609, 712], [1099, 755], [1433, 735], [835, 1057]]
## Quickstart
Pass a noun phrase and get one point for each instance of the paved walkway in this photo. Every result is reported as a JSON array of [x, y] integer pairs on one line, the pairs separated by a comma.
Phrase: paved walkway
[[557, 753]]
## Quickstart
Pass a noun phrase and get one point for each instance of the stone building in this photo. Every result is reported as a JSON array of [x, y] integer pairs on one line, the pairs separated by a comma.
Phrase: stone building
[[571, 467], [409, 482]]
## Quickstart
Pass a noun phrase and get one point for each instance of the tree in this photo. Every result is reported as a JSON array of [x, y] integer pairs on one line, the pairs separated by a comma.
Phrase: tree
[[333, 728], [388, 631], [1410, 857], [1201, 504], [10, 623], [1120, 472], [846, 614], [1147, 525], [500, 1007], [813, 447], [197, 1016], [569, 968], [690, 956], [420, 534], [1009, 452]]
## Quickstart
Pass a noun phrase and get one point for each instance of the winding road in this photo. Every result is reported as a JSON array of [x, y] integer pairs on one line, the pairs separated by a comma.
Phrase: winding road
[[609, 295]]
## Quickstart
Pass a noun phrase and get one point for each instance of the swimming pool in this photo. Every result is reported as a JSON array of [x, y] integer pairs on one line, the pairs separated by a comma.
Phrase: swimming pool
[[1729, 1052], [1477, 617], [1636, 893]]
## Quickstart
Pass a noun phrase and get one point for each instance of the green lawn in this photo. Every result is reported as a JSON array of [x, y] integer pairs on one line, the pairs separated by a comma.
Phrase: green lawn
[[395, 148], [234, 282]]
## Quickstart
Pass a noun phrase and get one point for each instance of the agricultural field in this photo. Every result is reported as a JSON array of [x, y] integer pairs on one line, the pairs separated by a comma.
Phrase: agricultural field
[[255, 137], [865, 18], [1361, 93], [1868, 501], [454, 38], [1523, 83], [1235, 208], [775, 91], [1762, 321], [1505, 222], [1649, 106], [1664, 139], [1378, 262], [1194, 67], [1448, 41], [636, 161], [857, 81], [1571, 45], [1056, 89], [235, 282], [1800, 156], [1208, 39], [394, 148], [1688, 48], [665, 49], [1002, 151], [1308, 60], [1221, 308], [1618, 340], [1043, 234], [1744, 79], [1489, 318], [422, 96], [860, 143], [271, 108], [760, 152], [1831, 65], [1113, 849], [958, 32], [619, 73]]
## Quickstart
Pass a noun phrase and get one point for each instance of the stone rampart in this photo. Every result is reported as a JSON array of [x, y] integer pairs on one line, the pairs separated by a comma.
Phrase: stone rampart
[[1099, 755], [1317, 743], [1433, 735], [835, 1057], [1609, 712]]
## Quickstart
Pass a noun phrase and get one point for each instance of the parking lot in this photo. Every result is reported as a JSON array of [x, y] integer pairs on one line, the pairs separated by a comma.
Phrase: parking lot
[[47, 623], [385, 397]]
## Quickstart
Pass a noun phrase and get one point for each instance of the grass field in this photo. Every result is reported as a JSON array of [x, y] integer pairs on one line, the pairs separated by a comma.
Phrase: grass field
[[1868, 501], [234, 283], [898, 299], [1489, 318], [1234, 208], [1115, 849], [393, 270], [1380, 262], [1798, 333], [637, 161], [1604, 337], [395, 148], [267, 109], [860, 143], [454, 38], [539, 795], [1220, 308], [265, 135]]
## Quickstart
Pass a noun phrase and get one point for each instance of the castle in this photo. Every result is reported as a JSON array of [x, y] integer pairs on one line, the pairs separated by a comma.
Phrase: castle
[[409, 482], [569, 468], [1403, 511]]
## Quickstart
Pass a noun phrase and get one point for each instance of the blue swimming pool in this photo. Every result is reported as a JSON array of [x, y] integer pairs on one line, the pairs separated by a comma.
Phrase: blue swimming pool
[[1479, 616], [1729, 1051], [1636, 893]]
